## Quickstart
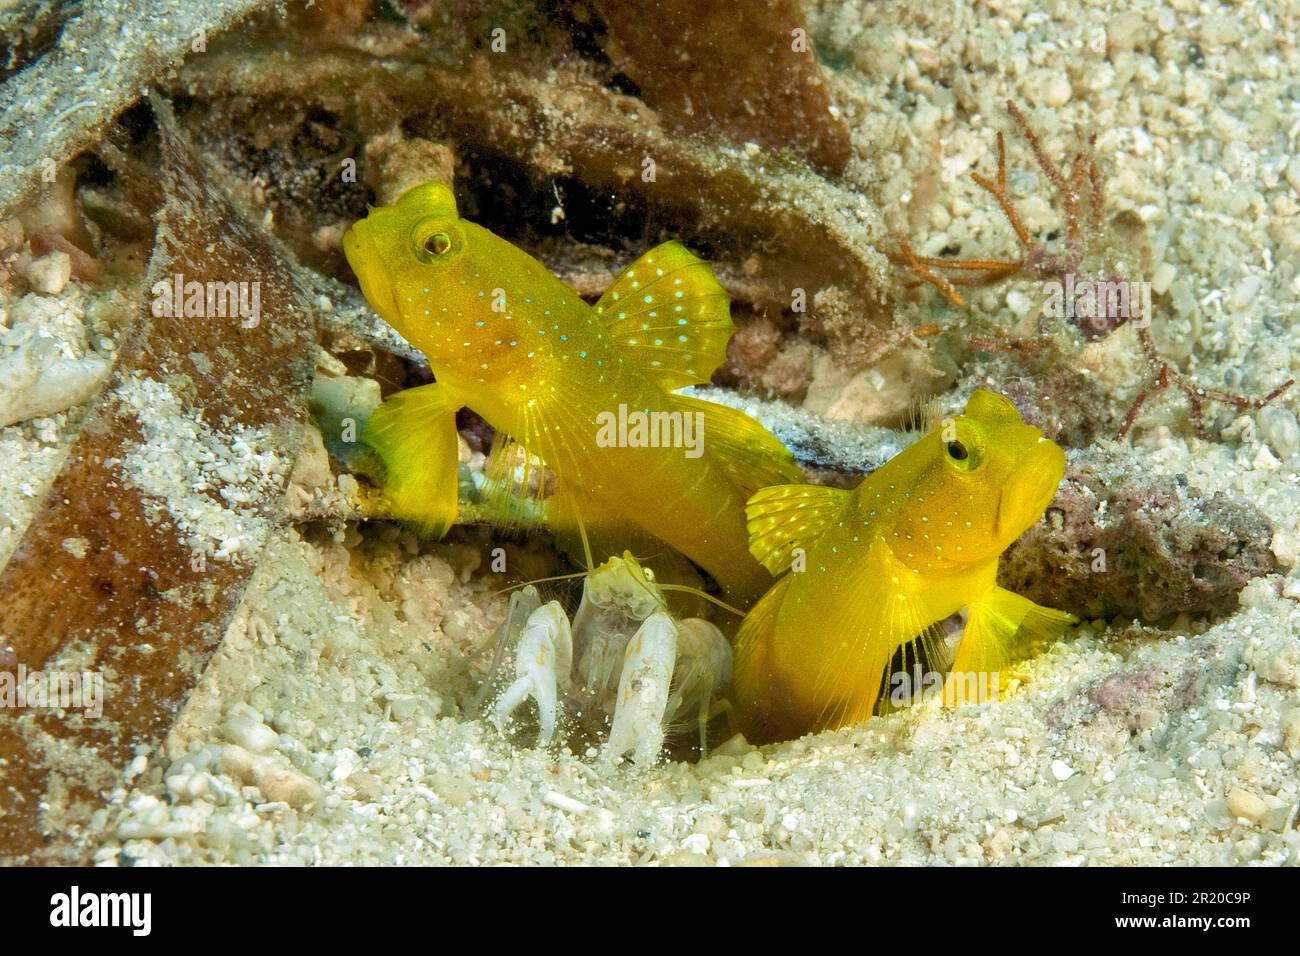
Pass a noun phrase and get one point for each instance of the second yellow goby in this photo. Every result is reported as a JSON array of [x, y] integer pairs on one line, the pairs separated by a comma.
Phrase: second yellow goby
[[879, 567]]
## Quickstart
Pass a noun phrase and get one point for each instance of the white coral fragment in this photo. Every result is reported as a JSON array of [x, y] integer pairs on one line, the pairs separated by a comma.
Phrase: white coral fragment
[[37, 380]]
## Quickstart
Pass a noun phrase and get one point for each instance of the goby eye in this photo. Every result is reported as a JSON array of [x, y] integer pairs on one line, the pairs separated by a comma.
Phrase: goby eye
[[438, 244]]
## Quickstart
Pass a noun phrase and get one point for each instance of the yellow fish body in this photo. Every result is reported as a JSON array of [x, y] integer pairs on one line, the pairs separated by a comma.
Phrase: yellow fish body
[[874, 569], [586, 389]]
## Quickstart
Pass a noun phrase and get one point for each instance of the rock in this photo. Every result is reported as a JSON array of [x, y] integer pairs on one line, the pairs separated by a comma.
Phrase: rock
[[1125, 32], [11, 234], [1116, 542], [280, 784], [453, 790], [1291, 730], [276, 782], [49, 274], [734, 746], [715, 49], [250, 733], [1057, 92], [1269, 810], [882, 395], [312, 470], [37, 381], [397, 165], [188, 786], [1279, 428], [1277, 660], [1246, 805], [237, 763], [1163, 278]]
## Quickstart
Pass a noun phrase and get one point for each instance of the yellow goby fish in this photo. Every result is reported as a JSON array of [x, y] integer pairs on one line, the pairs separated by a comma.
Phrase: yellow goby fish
[[586, 389], [879, 567]]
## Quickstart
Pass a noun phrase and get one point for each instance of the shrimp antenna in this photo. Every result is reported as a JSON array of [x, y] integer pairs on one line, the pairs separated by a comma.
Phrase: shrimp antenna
[[698, 593], [554, 577], [586, 544]]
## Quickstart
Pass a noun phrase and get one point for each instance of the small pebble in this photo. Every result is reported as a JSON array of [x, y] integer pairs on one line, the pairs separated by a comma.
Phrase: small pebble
[[1279, 428], [1246, 291], [250, 733], [280, 784], [11, 234], [1058, 91], [1019, 303], [49, 274], [697, 843], [1062, 770], [1246, 805], [1291, 730], [1163, 278]]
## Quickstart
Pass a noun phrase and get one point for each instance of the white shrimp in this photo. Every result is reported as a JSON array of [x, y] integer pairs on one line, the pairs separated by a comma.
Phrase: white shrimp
[[646, 671], [543, 657]]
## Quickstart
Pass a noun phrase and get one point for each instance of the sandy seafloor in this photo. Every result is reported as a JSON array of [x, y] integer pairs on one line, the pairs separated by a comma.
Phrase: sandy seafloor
[[331, 726]]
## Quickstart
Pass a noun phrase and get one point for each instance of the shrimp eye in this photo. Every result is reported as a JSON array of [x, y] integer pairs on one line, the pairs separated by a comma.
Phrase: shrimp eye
[[957, 451], [439, 244]]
